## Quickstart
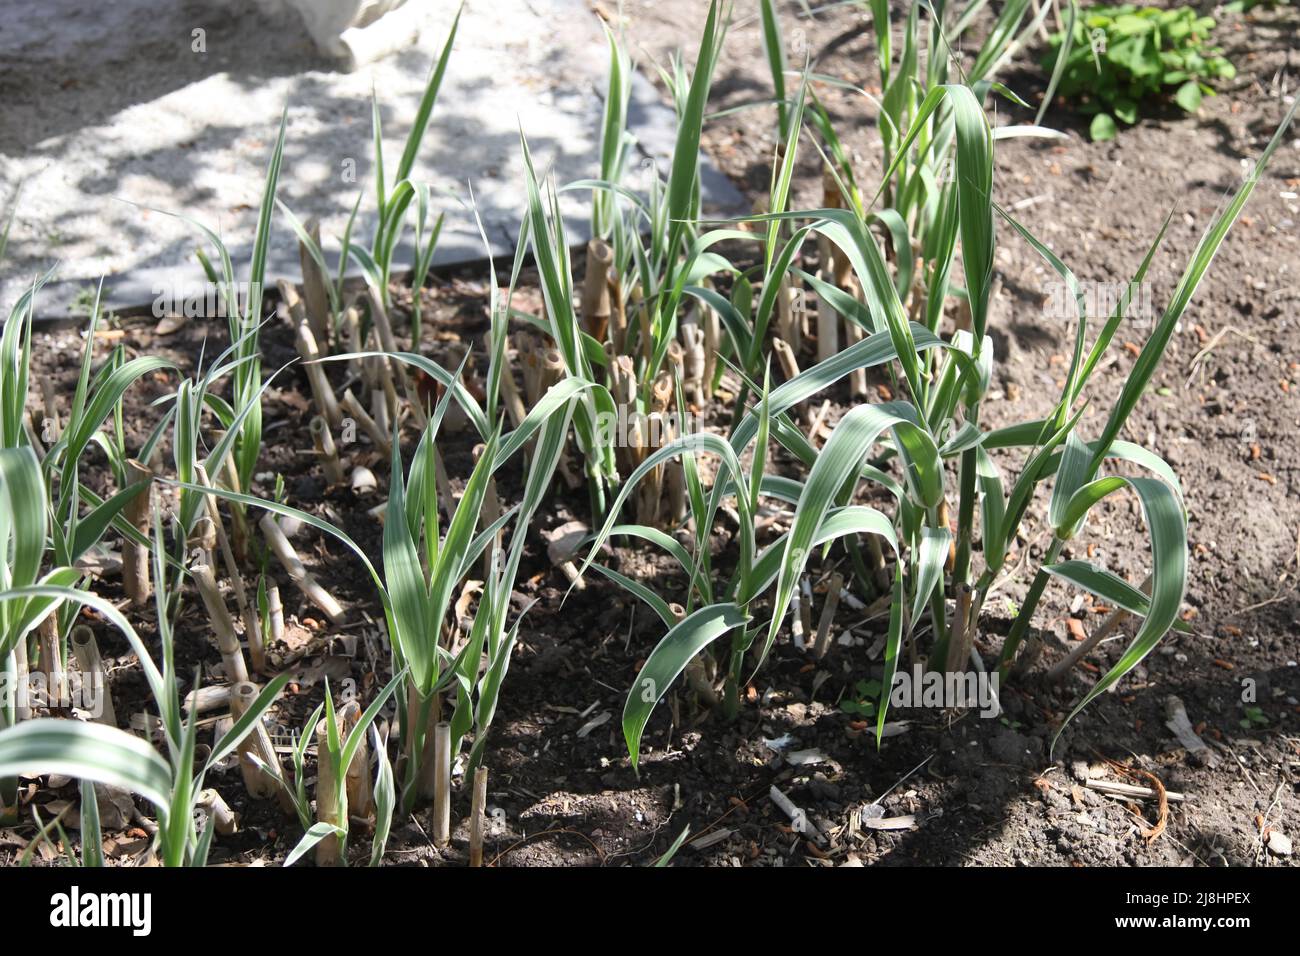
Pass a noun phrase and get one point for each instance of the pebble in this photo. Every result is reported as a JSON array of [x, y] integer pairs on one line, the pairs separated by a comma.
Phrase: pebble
[[1279, 843]]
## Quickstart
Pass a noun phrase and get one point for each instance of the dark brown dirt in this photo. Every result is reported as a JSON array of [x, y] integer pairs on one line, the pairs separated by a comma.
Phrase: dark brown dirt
[[983, 791]]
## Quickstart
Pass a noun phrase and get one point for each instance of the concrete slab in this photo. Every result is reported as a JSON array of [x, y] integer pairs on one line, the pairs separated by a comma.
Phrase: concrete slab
[[173, 104]]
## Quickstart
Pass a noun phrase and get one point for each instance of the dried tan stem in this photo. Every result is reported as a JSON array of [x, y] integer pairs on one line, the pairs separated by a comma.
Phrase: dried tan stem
[[223, 818], [275, 611], [828, 328], [297, 571], [85, 649], [22, 677], [309, 350], [360, 788], [962, 635], [247, 612], [135, 557], [595, 289], [53, 423], [206, 699], [223, 626], [367, 424], [379, 407], [363, 481], [442, 783], [326, 451], [350, 338], [513, 403], [260, 781], [827, 619], [694, 364], [477, 813], [789, 368], [617, 316], [712, 343], [315, 289], [1107, 627], [790, 313]]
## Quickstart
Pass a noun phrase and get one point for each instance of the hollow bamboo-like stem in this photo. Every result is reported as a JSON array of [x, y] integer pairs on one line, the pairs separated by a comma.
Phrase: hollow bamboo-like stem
[[876, 563], [1107, 627], [477, 816], [207, 699], [328, 806], [550, 371], [442, 783], [53, 423], [623, 385], [223, 626], [697, 677], [32, 424], [326, 451], [645, 337], [238, 516], [357, 413], [275, 611], [526, 348], [223, 818], [828, 328], [357, 781], [637, 443], [306, 582], [514, 404], [693, 362], [858, 377], [650, 491], [322, 393], [661, 393], [204, 535], [443, 481], [22, 675], [827, 620], [370, 373], [676, 355], [789, 313], [379, 412], [712, 326], [85, 649], [309, 349], [315, 289], [789, 368], [623, 382], [943, 519], [259, 781], [832, 256], [595, 289], [247, 611], [562, 558], [350, 339], [135, 557], [363, 481], [962, 636], [617, 316], [801, 614], [51, 662], [675, 483], [384, 329]]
